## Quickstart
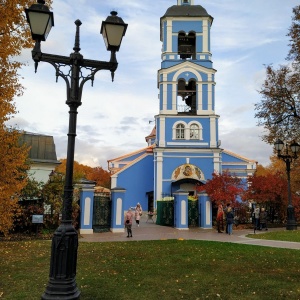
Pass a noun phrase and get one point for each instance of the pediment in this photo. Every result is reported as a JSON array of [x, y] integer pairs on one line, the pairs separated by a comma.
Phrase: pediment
[[188, 65]]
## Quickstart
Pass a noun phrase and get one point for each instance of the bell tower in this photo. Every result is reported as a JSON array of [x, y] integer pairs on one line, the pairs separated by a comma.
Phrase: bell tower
[[186, 126]]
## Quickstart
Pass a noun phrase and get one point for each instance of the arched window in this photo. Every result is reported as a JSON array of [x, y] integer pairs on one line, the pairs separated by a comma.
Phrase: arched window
[[187, 45], [187, 91], [180, 131], [194, 132]]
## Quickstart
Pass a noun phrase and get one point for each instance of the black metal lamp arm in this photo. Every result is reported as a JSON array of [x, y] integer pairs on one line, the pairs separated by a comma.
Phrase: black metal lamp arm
[[77, 63]]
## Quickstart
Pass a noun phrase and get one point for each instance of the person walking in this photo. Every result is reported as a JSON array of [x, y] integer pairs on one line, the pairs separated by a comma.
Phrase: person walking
[[256, 217], [128, 222], [263, 219], [220, 217], [138, 213], [230, 220], [225, 211]]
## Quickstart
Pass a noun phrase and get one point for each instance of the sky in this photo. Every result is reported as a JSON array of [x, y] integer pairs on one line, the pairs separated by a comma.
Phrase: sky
[[115, 117]]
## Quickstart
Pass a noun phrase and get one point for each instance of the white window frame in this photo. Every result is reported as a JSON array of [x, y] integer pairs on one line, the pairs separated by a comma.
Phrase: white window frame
[[200, 131], [183, 129]]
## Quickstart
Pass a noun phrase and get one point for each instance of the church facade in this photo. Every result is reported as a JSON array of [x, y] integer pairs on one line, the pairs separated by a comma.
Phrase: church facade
[[183, 149]]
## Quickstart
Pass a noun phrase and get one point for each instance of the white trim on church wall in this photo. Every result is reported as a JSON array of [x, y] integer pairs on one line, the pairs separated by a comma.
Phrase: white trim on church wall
[[162, 130], [209, 97], [213, 131], [203, 152], [169, 36], [119, 211], [205, 28], [200, 98], [184, 69], [174, 97], [114, 179], [207, 213], [87, 211], [217, 162], [183, 212], [159, 177], [164, 97], [186, 144]]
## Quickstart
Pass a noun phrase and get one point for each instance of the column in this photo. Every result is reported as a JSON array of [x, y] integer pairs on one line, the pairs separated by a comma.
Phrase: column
[[181, 219], [86, 188], [205, 209], [117, 209]]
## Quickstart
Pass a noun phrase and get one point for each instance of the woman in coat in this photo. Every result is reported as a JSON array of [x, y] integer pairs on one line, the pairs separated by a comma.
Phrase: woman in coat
[[138, 214], [263, 219], [230, 220]]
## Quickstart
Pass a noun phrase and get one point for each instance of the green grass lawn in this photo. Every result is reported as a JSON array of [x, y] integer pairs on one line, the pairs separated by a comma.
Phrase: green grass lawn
[[168, 269], [283, 235]]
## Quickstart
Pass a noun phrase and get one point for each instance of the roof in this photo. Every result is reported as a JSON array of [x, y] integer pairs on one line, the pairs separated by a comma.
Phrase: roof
[[42, 147], [186, 11], [152, 134], [101, 189], [130, 163], [120, 158], [142, 153], [239, 156]]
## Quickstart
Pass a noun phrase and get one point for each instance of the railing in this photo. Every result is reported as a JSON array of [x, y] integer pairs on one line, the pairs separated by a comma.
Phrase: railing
[[183, 108]]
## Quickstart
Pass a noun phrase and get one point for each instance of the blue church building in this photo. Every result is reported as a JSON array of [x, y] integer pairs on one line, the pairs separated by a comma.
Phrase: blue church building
[[183, 149]]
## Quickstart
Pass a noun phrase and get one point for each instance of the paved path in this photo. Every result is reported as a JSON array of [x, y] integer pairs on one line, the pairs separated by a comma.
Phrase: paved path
[[150, 231]]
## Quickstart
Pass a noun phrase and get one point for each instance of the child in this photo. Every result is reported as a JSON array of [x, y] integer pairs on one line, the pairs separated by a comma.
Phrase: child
[[128, 222]]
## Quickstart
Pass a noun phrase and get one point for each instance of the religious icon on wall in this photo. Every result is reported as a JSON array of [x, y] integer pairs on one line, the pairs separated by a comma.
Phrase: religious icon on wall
[[187, 170]]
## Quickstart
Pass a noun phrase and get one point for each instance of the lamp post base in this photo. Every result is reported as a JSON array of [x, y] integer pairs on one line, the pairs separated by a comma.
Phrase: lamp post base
[[291, 223], [61, 289], [62, 284]]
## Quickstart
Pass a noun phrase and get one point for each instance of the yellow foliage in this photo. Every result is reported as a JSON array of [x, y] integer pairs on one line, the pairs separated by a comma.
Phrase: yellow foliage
[[14, 175], [14, 37], [97, 174]]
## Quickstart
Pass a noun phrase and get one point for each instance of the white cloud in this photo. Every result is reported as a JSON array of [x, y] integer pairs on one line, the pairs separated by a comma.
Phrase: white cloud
[[247, 142]]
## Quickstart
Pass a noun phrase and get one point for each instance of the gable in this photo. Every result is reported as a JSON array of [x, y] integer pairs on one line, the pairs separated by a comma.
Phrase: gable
[[237, 164]]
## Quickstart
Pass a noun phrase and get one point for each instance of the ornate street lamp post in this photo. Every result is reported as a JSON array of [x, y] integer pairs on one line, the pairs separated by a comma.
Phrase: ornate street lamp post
[[62, 282], [280, 147]]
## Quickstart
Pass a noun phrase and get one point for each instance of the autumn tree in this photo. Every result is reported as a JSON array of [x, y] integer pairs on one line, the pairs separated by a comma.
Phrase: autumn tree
[[13, 168], [79, 170], [100, 176], [97, 174], [14, 37], [223, 188], [268, 190], [53, 189], [278, 165], [294, 34], [268, 186], [279, 110]]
